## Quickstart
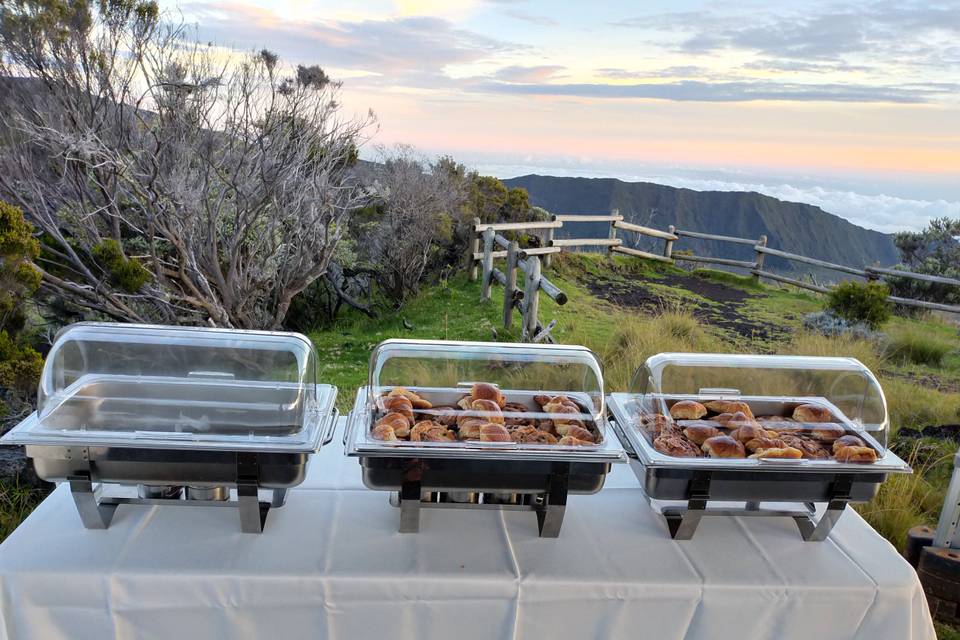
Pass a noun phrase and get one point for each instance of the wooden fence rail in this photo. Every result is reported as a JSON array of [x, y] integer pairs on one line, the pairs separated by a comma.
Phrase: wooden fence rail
[[523, 259]]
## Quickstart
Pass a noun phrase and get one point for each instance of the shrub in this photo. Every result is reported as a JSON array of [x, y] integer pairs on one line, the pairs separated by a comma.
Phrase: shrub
[[126, 273], [20, 366], [860, 302], [828, 323], [912, 345]]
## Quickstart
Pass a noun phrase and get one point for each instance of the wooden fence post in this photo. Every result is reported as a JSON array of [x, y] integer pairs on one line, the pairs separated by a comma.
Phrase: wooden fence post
[[531, 298], [613, 230], [473, 248], [758, 260], [668, 244], [508, 291], [488, 235], [547, 239]]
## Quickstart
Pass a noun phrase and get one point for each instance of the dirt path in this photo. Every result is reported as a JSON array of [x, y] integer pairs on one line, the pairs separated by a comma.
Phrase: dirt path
[[725, 312]]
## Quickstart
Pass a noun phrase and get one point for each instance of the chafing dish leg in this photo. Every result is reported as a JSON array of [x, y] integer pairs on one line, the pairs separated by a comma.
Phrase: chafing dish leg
[[840, 496], [253, 513], [683, 525], [410, 497], [550, 513], [93, 514], [279, 498]]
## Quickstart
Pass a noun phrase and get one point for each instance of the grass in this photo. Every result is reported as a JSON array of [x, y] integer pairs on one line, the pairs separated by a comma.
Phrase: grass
[[16, 503], [913, 344]]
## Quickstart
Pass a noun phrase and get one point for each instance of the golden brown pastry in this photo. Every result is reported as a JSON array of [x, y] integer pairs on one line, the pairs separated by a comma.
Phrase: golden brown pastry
[[847, 441], [548, 426], [397, 422], [811, 449], [729, 406], [653, 423], [747, 432], [489, 409], [788, 453], [672, 443], [811, 413], [734, 420], [580, 433], [856, 454], [516, 420], [723, 447], [429, 431], [465, 402], [445, 415], [469, 427], [399, 404], [763, 442], [492, 432], [698, 433], [557, 404], [827, 431], [415, 400], [687, 410], [486, 391], [532, 435], [383, 432], [570, 441]]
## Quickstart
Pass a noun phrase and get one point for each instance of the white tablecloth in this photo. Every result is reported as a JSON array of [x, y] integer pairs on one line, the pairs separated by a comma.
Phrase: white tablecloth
[[331, 564]]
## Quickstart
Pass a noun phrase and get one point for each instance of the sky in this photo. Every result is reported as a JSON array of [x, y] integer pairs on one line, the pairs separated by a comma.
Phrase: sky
[[853, 106]]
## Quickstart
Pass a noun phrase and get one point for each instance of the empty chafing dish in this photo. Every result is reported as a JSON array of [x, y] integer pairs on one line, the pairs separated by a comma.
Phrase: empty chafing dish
[[482, 425], [799, 416], [184, 414]]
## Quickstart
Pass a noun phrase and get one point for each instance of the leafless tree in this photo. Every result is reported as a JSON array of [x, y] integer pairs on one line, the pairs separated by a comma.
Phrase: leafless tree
[[171, 182]]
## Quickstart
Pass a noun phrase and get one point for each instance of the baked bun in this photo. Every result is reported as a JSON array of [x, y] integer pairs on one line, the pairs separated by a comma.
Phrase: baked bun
[[764, 442], [445, 415], [723, 447], [748, 432], [734, 420], [847, 441], [430, 431], [415, 400], [560, 402], [856, 454], [653, 423], [492, 432], [570, 441], [486, 391], [827, 431], [810, 448], [812, 413], [532, 435], [687, 410], [514, 414], [672, 443], [397, 422], [469, 427], [399, 404], [490, 410], [729, 406], [580, 433], [383, 432], [698, 433], [783, 453]]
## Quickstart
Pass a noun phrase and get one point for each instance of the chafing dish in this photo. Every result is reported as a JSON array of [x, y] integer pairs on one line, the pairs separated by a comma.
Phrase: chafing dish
[[184, 414], [518, 453], [842, 393]]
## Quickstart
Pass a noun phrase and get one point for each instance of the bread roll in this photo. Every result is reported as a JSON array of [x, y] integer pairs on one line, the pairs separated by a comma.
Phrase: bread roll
[[687, 410], [729, 406], [383, 432], [489, 409], [827, 431], [399, 404], [781, 452], [855, 454], [469, 427], [492, 432], [748, 432], [415, 399], [847, 441], [397, 422], [672, 443], [764, 442], [698, 433], [486, 391], [734, 420], [723, 447], [812, 413]]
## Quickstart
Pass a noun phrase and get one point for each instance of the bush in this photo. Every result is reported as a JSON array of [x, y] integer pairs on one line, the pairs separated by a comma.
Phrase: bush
[[20, 366], [126, 273], [914, 346], [828, 323], [860, 302]]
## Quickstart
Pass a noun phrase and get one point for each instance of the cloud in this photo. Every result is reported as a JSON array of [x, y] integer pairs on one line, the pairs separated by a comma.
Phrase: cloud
[[517, 73], [743, 91], [769, 64], [681, 71], [543, 21]]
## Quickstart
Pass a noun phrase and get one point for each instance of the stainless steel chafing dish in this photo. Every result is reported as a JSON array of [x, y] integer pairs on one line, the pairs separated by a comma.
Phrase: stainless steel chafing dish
[[843, 394], [459, 462], [183, 414]]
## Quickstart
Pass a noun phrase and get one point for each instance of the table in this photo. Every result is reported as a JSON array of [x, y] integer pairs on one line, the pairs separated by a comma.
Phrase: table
[[330, 564]]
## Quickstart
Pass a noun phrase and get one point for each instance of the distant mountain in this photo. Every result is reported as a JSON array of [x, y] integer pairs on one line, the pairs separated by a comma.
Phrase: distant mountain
[[791, 226]]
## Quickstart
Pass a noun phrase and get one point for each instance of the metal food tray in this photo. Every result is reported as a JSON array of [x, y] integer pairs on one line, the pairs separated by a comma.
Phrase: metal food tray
[[699, 480], [479, 475]]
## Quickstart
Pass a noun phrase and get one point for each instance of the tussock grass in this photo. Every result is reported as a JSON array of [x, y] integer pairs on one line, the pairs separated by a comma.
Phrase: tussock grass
[[912, 406], [814, 344], [16, 503], [913, 344]]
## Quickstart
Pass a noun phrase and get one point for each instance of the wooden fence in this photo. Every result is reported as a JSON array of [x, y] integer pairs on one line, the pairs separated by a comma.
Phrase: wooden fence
[[669, 238]]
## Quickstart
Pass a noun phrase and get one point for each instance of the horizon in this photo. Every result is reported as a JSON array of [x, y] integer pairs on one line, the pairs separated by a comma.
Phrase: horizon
[[852, 107]]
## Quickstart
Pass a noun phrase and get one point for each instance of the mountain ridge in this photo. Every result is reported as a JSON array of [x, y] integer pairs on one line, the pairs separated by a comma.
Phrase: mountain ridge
[[795, 227]]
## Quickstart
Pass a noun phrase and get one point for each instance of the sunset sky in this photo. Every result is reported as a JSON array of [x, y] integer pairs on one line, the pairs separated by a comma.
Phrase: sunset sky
[[853, 106]]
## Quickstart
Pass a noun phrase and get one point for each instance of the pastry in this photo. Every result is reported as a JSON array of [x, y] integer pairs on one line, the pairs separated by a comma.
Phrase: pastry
[[826, 431], [779, 452], [469, 427], [672, 443], [415, 400], [811, 413], [653, 423], [687, 410], [532, 435], [516, 420], [734, 420], [847, 441], [397, 422], [723, 447], [580, 433], [748, 432], [763, 442], [445, 415], [383, 432], [492, 432], [729, 406], [486, 391], [400, 404], [558, 403], [489, 409], [856, 454], [570, 441], [811, 448], [700, 431], [430, 431]]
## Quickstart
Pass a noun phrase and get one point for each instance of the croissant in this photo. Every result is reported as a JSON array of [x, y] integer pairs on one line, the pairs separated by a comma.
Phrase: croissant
[[399, 404], [469, 427], [779, 452], [810, 448], [429, 431], [747, 432], [762, 443], [687, 410], [654, 423], [383, 432], [415, 400], [397, 422], [729, 406], [827, 431], [486, 391], [847, 441], [812, 413], [516, 408], [856, 454], [580, 433], [445, 415], [489, 408], [671, 443], [491, 432], [570, 441]]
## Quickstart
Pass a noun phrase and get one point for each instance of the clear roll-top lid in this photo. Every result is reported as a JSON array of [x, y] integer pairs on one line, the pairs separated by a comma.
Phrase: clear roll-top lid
[[548, 388], [771, 385], [146, 385]]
